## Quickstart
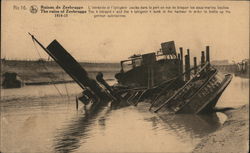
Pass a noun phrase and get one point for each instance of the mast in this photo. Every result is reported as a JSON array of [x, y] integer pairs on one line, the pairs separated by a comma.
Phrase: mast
[[71, 66], [51, 55]]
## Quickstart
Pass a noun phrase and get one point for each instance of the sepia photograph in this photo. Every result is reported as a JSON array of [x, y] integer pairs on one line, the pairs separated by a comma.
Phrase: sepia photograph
[[110, 76]]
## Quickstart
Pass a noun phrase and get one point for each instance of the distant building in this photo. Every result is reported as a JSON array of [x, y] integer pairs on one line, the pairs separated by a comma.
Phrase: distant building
[[11, 80], [243, 68], [2, 60]]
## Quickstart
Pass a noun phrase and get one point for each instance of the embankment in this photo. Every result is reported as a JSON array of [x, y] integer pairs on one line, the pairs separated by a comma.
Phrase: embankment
[[232, 137], [49, 71]]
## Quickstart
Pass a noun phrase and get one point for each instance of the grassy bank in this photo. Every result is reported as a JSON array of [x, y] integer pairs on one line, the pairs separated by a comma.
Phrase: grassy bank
[[41, 71], [232, 137]]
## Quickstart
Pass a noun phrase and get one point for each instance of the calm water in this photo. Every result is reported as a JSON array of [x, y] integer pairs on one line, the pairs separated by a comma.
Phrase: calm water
[[37, 119]]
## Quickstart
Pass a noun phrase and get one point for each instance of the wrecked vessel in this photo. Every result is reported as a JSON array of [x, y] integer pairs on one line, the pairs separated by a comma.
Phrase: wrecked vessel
[[159, 78], [200, 94], [93, 95], [172, 85]]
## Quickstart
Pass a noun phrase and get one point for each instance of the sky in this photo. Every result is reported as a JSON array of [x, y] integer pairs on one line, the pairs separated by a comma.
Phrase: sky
[[114, 39]]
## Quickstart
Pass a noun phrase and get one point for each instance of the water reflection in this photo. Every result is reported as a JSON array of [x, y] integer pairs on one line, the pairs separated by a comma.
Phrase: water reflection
[[196, 125], [244, 83], [68, 138]]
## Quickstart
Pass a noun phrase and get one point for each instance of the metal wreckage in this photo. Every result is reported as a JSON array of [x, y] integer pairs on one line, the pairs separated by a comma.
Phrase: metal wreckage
[[160, 78]]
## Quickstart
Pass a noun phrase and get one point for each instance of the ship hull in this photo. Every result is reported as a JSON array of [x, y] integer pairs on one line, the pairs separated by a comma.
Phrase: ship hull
[[207, 97]]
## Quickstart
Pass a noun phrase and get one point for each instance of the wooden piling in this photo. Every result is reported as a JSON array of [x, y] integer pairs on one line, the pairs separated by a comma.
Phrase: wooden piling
[[207, 54], [188, 56], [181, 61], [187, 67], [195, 65], [202, 58], [188, 52]]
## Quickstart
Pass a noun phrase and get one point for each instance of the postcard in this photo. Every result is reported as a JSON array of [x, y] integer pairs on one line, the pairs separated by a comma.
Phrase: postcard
[[124, 76]]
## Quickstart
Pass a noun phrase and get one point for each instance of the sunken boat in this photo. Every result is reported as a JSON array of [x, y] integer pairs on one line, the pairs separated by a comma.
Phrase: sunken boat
[[161, 78], [93, 94], [169, 83]]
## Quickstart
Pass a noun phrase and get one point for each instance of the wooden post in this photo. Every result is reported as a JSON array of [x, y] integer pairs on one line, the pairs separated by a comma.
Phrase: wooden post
[[181, 53], [179, 62], [181, 58], [187, 67], [188, 53], [202, 58], [195, 65], [207, 54], [188, 74]]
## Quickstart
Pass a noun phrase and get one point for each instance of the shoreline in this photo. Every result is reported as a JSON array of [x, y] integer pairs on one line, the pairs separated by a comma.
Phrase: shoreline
[[232, 137], [45, 72]]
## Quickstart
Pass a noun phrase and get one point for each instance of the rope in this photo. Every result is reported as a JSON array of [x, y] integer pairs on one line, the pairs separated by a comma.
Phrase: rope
[[46, 68]]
